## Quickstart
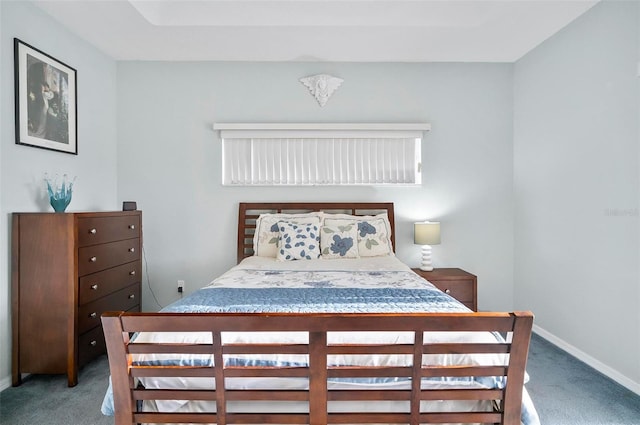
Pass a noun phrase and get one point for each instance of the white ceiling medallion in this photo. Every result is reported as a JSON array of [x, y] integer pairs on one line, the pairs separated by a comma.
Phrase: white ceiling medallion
[[322, 86]]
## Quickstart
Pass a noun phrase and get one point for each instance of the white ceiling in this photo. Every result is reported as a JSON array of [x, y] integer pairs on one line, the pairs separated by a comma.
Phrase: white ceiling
[[316, 30]]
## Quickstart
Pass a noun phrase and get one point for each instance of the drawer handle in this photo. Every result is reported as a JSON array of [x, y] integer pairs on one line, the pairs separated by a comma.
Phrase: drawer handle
[[93, 231], [93, 343], [94, 286], [93, 259], [132, 250], [447, 291], [132, 226], [132, 296], [93, 315], [132, 272]]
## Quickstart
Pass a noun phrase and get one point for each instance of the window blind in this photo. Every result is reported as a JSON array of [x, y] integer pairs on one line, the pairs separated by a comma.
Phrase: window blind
[[344, 156]]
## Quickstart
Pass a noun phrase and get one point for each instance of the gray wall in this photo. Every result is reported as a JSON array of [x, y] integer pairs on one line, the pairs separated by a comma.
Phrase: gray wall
[[576, 188], [169, 159], [23, 167]]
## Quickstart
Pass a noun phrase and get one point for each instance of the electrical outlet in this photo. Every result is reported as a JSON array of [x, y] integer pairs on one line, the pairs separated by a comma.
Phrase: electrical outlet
[[181, 286]]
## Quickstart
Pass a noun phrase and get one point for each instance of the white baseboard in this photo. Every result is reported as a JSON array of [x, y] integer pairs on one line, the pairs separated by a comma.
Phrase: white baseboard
[[5, 383], [594, 363]]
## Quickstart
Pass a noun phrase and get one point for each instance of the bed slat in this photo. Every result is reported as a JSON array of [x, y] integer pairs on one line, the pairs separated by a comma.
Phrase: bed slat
[[367, 348], [275, 395], [450, 394], [369, 372], [265, 349], [144, 394], [439, 371], [266, 372], [270, 418], [465, 348], [196, 418], [144, 348], [446, 417], [171, 371]]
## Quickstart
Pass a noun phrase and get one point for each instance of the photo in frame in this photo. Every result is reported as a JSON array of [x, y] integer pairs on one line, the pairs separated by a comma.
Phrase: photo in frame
[[46, 100]]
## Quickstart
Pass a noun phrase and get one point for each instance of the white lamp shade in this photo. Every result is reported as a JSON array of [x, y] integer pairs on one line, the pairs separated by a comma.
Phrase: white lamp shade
[[426, 233]]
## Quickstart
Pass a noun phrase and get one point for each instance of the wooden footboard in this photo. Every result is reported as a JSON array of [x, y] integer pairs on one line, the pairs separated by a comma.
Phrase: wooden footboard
[[318, 370]]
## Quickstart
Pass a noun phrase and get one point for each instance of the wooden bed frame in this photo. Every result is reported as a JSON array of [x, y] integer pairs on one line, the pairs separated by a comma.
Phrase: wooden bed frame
[[119, 326]]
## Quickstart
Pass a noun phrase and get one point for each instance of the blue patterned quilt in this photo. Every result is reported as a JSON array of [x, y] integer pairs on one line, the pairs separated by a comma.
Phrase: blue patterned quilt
[[316, 300]]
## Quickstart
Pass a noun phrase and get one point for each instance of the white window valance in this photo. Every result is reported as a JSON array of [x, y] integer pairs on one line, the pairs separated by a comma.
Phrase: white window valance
[[321, 154]]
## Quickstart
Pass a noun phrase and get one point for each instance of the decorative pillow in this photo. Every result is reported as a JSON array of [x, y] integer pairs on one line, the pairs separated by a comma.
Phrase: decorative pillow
[[339, 241], [373, 232], [373, 238], [265, 239], [298, 241]]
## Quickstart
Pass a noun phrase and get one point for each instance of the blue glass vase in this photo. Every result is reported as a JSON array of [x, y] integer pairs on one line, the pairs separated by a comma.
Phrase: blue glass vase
[[60, 196]]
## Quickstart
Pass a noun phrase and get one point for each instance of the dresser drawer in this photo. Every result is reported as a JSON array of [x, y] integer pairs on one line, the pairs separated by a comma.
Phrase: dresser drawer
[[90, 345], [124, 299], [97, 230], [95, 258], [97, 285], [462, 290]]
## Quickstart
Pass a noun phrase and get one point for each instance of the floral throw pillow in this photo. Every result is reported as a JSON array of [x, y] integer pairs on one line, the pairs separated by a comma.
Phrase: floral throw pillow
[[373, 233], [339, 241], [265, 240], [373, 239], [298, 241]]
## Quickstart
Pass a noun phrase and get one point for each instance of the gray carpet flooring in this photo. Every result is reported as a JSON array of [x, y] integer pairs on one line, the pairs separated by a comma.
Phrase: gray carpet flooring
[[564, 390]]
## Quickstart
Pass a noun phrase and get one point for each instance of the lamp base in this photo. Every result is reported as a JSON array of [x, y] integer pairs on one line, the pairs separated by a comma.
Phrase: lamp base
[[426, 259]]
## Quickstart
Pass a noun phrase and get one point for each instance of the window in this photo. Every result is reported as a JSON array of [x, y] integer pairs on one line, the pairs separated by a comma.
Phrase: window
[[321, 154]]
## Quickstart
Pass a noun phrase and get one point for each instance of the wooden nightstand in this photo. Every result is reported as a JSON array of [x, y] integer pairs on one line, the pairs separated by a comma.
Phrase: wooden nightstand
[[456, 282]]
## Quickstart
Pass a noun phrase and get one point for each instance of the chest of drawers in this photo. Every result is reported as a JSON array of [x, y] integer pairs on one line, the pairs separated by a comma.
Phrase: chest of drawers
[[66, 270]]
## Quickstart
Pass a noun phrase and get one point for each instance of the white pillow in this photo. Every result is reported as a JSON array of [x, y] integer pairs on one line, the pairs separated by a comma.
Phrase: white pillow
[[340, 240], [298, 241], [265, 239], [373, 232]]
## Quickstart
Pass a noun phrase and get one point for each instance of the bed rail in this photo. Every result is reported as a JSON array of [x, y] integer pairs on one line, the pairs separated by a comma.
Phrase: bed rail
[[122, 351]]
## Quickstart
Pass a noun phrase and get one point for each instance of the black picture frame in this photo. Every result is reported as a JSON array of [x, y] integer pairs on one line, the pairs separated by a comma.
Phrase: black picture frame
[[46, 102]]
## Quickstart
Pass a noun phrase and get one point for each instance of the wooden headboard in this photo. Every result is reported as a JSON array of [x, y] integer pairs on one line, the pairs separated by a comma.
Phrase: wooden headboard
[[250, 211]]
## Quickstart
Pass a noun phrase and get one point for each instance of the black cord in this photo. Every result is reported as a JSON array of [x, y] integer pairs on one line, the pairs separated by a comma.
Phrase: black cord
[[146, 271]]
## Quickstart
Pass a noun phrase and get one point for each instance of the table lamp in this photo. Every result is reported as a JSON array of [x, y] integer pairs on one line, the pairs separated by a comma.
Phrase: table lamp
[[426, 233]]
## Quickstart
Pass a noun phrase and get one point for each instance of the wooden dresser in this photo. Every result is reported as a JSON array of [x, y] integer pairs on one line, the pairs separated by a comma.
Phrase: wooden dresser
[[66, 270], [461, 285]]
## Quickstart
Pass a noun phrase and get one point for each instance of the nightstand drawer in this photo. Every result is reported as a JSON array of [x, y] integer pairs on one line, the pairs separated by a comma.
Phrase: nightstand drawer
[[458, 283], [460, 290]]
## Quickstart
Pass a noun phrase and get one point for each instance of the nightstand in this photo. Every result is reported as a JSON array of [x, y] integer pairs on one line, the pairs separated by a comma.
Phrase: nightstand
[[459, 284]]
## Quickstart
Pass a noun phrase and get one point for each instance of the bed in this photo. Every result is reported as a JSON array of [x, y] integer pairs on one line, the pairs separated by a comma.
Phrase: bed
[[346, 338]]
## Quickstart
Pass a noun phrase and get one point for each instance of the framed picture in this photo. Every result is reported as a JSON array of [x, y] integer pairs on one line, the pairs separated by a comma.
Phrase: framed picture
[[46, 100]]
